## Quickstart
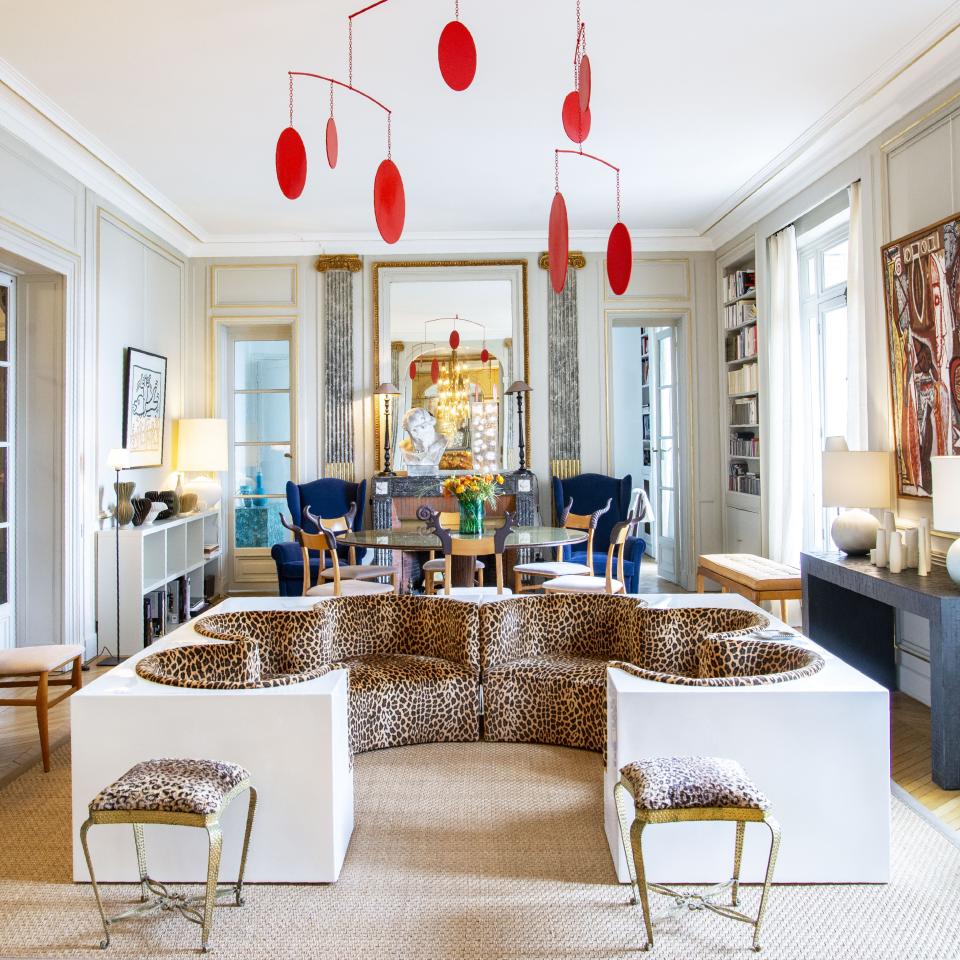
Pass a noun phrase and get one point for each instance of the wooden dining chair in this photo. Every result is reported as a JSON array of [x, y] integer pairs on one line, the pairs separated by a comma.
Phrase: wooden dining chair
[[350, 570], [547, 569], [492, 543], [450, 519], [607, 583], [323, 542]]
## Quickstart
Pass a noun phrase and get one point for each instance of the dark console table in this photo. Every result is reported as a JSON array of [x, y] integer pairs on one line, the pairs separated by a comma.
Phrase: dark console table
[[849, 609]]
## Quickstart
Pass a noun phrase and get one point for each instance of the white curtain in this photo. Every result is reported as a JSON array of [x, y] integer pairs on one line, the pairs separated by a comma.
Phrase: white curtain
[[856, 329], [787, 429]]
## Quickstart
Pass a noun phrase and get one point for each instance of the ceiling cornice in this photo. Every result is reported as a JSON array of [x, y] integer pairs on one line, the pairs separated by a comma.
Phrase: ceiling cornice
[[926, 64]]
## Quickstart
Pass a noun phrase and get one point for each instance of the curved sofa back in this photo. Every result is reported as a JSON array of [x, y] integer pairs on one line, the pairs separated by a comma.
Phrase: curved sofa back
[[596, 627]]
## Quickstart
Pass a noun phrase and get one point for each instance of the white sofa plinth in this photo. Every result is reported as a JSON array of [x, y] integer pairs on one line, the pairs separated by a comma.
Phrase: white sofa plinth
[[293, 739], [817, 746]]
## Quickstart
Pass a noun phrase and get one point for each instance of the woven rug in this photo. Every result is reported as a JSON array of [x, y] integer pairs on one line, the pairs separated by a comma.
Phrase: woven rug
[[478, 850]]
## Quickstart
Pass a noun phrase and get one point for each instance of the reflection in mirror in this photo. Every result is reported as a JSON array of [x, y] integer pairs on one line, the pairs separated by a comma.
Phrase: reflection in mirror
[[459, 389]]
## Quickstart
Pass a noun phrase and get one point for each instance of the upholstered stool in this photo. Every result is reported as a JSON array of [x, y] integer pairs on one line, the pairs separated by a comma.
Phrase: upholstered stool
[[182, 792], [675, 789]]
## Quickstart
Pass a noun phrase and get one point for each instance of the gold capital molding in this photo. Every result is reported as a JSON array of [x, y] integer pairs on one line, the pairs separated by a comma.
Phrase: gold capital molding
[[397, 346], [339, 261], [575, 259]]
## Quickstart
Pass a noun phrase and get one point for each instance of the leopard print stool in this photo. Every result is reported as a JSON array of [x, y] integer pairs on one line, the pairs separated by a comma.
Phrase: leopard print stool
[[676, 789], [183, 792]]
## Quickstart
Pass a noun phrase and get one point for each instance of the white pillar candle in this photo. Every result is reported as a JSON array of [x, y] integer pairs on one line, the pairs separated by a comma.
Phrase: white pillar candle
[[895, 551], [880, 558], [911, 538], [923, 564], [889, 522]]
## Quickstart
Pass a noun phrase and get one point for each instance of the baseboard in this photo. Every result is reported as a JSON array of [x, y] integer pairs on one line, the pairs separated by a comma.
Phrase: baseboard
[[921, 811]]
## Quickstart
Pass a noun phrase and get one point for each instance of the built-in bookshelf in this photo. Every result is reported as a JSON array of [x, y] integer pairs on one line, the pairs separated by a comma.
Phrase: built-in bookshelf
[[646, 410], [168, 574], [741, 387]]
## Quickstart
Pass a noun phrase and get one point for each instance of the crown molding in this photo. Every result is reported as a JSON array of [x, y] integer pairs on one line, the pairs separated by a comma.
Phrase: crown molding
[[927, 63], [49, 130], [575, 259]]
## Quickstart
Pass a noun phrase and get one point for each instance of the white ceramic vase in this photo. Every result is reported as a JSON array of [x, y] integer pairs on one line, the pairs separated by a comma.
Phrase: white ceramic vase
[[895, 550], [855, 532]]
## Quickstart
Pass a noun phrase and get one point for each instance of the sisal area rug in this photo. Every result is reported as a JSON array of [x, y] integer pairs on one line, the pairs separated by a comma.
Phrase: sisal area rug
[[478, 850]]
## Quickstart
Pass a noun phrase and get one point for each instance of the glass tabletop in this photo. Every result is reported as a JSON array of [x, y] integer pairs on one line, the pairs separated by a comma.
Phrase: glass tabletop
[[420, 538]]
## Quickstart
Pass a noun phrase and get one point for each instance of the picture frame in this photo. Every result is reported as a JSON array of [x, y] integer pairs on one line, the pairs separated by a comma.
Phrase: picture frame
[[921, 286], [144, 406]]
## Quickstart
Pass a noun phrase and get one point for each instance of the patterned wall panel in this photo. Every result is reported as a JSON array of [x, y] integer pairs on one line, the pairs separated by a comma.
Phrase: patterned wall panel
[[338, 433]]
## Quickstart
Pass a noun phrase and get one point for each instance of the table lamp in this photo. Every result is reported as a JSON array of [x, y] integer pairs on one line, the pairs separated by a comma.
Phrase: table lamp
[[946, 506], [858, 479], [518, 388], [202, 448]]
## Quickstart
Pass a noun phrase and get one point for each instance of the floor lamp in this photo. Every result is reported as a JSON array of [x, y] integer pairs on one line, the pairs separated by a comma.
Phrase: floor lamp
[[518, 388], [117, 460], [387, 391]]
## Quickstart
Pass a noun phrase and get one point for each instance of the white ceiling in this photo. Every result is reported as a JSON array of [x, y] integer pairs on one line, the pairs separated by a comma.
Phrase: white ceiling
[[690, 99]]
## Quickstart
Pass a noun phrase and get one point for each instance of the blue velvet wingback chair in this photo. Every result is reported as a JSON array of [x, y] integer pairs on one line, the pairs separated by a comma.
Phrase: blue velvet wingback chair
[[327, 498], [590, 491]]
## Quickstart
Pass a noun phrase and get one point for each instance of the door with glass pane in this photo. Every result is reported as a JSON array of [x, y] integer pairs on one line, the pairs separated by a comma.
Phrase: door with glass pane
[[7, 326], [261, 438], [666, 503]]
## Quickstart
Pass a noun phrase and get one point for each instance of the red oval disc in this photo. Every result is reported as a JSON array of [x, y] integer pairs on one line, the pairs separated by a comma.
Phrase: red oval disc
[[584, 87], [454, 339], [558, 243], [333, 142], [484, 355], [457, 55], [619, 258], [413, 369], [435, 370], [389, 203], [576, 122], [291, 163]]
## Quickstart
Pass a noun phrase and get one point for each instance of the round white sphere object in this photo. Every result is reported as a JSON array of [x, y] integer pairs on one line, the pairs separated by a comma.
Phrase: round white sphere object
[[953, 561], [855, 532]]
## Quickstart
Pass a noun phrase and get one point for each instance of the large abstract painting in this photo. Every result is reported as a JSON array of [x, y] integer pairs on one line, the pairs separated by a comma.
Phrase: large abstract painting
[[144, 400], [921, 275]]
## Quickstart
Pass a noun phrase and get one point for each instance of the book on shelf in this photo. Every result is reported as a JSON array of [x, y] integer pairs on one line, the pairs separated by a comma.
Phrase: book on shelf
[[737, 314], [744, 379], [744, 445], [739, 283], [744, 411], [210, 548], [741, 480], [154, 605], [742, 345]]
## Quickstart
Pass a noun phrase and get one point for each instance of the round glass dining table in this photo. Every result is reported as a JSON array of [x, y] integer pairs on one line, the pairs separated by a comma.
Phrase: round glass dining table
[[419, 539]]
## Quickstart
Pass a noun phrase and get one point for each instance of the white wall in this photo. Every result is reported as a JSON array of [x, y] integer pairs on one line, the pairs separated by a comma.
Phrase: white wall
[[114, 286]]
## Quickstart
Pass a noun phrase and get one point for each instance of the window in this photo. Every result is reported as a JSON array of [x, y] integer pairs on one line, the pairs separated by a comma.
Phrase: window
[[823, 316], [261, 434], [5, 451]]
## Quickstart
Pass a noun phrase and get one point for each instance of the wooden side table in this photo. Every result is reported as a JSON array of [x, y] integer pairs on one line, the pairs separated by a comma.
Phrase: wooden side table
[[755, 578]]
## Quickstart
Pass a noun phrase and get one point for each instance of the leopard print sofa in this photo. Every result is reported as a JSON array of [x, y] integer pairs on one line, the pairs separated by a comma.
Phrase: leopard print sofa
[[417, 664], [413, 662], [545, 658]]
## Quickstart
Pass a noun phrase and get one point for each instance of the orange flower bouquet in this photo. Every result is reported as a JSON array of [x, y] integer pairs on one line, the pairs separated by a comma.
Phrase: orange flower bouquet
[[472, 492]]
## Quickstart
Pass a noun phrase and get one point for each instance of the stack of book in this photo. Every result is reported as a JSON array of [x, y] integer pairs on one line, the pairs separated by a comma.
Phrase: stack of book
[[744, 445], [739, 283], [743, 380], [743, 345], [744, 411], [737, 314]]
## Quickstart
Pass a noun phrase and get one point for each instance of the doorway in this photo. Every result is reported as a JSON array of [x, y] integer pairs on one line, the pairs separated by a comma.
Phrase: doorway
[[643, 436]]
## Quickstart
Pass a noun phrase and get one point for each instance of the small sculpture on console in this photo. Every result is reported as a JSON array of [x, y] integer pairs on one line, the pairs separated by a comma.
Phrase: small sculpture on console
[[423, 446]]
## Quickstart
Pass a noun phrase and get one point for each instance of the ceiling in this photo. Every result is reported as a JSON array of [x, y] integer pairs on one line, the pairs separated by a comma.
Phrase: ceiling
[[691, 100]]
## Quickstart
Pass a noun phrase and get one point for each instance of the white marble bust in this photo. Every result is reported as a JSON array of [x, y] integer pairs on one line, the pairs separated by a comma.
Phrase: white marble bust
[[422, 446]]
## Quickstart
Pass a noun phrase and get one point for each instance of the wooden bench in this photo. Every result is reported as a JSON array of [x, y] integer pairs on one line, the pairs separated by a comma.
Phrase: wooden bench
[[755, 578]]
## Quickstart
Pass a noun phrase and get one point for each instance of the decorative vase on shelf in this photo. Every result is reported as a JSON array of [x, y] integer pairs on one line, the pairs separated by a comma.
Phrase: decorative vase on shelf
[[124, 513], [471, 517], [141, 508]]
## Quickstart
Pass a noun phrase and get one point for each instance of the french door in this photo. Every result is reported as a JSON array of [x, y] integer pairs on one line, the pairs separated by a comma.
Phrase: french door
[[7, 394], [259, 383], [666, 502]]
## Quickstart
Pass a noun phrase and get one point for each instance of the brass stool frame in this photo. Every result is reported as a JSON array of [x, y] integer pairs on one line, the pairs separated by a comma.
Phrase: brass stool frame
[[162, 898], [633, 849]]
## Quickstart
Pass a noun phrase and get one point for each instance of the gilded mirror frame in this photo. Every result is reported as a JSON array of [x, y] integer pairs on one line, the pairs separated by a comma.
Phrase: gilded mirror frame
[[377, 335]]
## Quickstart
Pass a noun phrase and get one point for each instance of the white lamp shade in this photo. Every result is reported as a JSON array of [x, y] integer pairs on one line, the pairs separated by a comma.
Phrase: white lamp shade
[[202, 445], [119, 459], [856, 478], [946, 493]]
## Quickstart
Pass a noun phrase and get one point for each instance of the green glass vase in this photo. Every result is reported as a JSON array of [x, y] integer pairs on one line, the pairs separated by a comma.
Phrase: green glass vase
[[471, 517]]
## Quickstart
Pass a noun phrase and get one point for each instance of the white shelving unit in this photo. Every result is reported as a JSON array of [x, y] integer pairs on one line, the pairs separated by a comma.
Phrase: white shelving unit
[[155, 560], [742, 416]]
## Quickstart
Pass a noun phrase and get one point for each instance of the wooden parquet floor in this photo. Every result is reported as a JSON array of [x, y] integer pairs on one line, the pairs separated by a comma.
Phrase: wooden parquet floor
[[910, 759]]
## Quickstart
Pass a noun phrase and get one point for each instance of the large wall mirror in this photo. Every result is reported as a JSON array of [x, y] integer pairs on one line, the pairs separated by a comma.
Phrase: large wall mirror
[[467, 422]]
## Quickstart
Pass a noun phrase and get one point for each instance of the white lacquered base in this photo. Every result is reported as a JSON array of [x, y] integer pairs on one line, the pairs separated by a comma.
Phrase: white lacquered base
[[818, 747], [293, 740]]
